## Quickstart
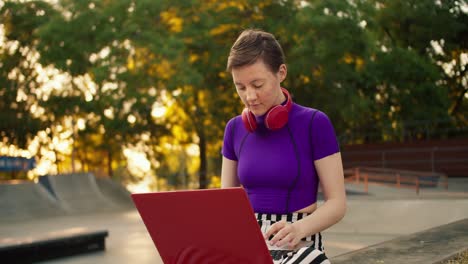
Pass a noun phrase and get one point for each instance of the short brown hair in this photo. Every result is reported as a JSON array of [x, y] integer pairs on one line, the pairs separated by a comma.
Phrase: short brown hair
[[254, 44]]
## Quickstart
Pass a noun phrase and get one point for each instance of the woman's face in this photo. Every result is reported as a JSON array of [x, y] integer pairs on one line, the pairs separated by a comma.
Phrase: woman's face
[[258, 87]]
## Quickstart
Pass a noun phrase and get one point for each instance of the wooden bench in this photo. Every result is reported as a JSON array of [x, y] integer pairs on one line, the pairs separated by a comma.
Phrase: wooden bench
[[61, 244]]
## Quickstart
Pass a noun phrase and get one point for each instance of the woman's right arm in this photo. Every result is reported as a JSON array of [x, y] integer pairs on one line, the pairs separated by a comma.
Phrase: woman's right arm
[[229, 173]]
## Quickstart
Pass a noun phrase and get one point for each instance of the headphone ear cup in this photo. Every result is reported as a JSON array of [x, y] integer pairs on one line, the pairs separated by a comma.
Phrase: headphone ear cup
[[277, 117], [248, 118]]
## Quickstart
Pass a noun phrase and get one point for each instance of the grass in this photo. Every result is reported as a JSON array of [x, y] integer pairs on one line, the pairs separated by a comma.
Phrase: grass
[[461, 258]]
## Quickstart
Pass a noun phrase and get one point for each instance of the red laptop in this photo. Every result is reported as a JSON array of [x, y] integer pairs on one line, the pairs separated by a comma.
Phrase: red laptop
[[209, 226]]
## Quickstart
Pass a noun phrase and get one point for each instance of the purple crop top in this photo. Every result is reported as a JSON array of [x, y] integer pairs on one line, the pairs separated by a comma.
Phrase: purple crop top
[[276, 168]]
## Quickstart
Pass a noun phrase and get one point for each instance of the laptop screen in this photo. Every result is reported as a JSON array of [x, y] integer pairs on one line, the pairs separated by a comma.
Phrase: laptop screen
[[203, 226]]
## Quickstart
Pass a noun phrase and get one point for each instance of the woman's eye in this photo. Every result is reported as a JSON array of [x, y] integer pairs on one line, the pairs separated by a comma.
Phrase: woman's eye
[[258, 86]]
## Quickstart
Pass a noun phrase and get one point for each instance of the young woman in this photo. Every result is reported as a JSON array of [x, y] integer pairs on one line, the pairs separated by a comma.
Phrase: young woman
[[280, 152]]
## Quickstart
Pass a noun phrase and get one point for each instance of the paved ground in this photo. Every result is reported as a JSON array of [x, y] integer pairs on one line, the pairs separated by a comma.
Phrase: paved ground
[[382, 214], [386, 213]]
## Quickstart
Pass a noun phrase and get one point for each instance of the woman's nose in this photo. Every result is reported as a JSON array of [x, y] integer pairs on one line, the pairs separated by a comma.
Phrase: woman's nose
[[251, 95]]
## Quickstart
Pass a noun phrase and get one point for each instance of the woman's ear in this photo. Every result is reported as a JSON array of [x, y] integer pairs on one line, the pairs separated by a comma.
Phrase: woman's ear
[[282, 72]]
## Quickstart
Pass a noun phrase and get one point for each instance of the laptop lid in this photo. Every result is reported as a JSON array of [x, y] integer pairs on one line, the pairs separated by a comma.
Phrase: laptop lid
[[203, 226]]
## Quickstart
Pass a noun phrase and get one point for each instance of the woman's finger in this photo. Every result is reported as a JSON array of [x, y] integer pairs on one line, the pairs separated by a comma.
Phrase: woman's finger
[[281, 234], [274, 228], [285, 240]]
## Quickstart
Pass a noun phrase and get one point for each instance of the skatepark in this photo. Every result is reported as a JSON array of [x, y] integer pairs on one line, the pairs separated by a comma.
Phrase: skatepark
[[65, 205]]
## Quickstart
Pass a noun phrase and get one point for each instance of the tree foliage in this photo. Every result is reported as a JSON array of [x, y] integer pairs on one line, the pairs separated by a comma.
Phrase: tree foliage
[[378, 68]]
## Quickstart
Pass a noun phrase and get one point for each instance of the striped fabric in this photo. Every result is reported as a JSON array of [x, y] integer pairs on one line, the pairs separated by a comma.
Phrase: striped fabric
[[311, 248]]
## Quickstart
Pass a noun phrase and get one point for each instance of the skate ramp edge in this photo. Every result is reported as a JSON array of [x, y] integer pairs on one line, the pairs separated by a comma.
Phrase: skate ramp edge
[[433, 246], [27, 200], [115, 192], [81, 193]]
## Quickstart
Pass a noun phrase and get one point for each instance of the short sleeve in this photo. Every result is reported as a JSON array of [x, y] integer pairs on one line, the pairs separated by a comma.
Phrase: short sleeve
[[228, 142], [324, 141]]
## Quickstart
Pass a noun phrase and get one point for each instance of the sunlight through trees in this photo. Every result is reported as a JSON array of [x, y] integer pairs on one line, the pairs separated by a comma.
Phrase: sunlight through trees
[[137, 90]]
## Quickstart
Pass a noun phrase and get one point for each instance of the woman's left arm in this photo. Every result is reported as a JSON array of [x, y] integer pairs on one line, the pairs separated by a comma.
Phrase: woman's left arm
[[330, 172]]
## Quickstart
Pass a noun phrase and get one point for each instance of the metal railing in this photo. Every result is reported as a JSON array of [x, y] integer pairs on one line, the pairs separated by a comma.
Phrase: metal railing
[[395, 177]]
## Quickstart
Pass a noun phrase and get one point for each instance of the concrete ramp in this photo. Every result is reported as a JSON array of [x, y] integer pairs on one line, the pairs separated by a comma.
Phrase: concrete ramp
[[79, 193], [115, 192], [27, 200]]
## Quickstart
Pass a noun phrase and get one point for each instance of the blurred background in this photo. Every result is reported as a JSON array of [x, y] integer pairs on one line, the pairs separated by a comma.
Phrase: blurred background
[[137, 91]]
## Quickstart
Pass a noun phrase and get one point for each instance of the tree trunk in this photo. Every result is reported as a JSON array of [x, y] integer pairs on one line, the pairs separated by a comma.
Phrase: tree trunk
[[109, 163], [203, 179]]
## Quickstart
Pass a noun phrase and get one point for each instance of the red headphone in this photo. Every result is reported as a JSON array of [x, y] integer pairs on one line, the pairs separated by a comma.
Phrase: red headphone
[[275, 118]]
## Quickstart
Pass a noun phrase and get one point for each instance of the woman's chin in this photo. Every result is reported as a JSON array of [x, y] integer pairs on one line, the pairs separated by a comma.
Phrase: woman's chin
[[258, 113]]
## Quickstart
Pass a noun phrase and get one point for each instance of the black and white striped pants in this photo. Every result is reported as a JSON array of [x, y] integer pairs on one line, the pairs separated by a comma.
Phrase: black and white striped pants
[[311, 248]]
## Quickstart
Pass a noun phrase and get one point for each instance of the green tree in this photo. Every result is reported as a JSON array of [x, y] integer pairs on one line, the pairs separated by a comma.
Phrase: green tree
[[329, 52], [407, 67], [19, 76], [109, 45], [377, 68]]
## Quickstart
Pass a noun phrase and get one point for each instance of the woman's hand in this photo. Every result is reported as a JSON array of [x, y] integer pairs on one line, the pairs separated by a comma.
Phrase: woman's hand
[[284, 234]]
